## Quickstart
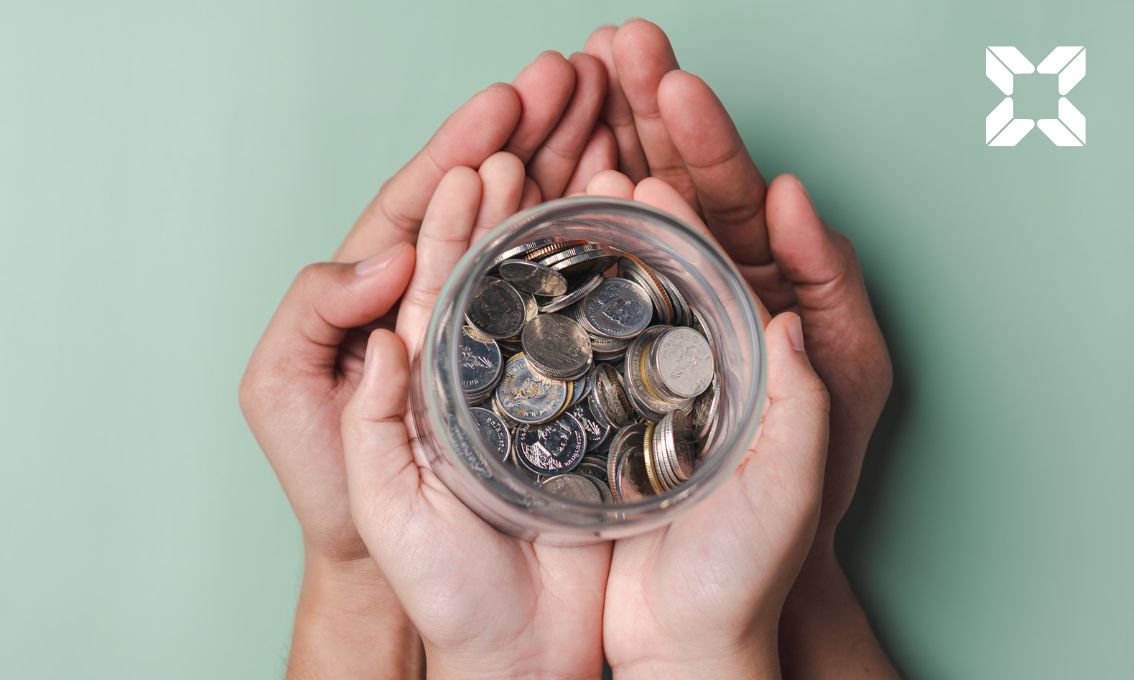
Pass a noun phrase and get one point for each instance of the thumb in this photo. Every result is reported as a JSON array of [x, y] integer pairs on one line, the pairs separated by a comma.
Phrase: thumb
[[325, 301], [382, 477], [785, 471]]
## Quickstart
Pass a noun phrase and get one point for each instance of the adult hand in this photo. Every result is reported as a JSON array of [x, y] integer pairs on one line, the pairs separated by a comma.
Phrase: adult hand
[[669, 124], [485, 604], [309, 361]]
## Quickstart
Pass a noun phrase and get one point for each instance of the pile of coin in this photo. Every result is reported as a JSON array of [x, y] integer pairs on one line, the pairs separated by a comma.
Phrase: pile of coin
[[601, 388]]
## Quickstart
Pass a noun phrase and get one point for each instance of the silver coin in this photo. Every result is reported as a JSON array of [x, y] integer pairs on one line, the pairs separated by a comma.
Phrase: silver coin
[[572, 296], [568, 253], [585, 264], [679, 442], [663, 453], [633, 268], [523, 249], [596, 428], [480, 363], [533, 277], [583, 386], [646, 401], [681, 313], [497, 309], [553, 447], [682, 361], [627, 467], [618, 308], [608, 397], [531, 307], [705, 408], [527, 397], [494, 432], [698, 323], [596, 472], [576, 487], [557, 347]]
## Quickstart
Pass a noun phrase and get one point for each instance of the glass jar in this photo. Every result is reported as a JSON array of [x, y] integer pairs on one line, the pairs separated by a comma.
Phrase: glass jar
[[504, 496]]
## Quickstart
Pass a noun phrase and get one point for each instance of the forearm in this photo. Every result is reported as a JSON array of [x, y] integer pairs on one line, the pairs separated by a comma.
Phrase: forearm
[[349, 624], [824, 631]]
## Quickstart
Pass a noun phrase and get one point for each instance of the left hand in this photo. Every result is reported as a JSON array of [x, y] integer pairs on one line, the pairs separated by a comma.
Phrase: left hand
[[485, 604]]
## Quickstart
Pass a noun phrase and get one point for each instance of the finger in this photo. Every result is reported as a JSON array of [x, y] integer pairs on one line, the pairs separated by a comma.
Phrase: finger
[[601, 153], [382, 476], [784, 473], [502, 178], [544, 88], [837, 316], [324, 302], [471, 134], [729, 187], [555, 161], [653, 191], [616, 112], [642, 56], [531, 195], [611, 184], [444, 238]]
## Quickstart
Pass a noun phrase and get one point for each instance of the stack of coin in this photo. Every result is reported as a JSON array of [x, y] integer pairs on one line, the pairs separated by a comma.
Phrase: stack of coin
[[598, 388]]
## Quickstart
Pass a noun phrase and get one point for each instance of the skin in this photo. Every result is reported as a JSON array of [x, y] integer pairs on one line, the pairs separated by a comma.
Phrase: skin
[[516, 609], [653, 119], [668, 123], [309, 360]]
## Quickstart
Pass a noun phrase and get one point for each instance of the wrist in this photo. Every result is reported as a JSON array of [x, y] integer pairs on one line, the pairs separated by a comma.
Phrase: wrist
[[504, 663], [752, 659], [349, 623]]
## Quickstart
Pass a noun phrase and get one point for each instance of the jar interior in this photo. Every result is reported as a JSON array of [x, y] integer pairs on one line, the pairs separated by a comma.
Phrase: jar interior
[[708, 280]]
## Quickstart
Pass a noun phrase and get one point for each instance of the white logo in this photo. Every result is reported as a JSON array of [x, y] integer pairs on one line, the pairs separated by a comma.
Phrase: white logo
[[1001, 64]]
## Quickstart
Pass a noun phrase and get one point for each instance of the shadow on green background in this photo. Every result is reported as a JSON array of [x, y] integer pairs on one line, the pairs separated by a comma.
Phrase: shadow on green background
[[166, 168]]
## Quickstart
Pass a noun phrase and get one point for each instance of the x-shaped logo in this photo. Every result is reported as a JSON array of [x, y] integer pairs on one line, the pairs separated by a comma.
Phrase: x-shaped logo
[[1002, 64]]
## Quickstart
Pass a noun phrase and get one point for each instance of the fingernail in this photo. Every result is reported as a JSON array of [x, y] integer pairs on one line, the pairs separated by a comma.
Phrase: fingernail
[[795, 332], [378, 262]]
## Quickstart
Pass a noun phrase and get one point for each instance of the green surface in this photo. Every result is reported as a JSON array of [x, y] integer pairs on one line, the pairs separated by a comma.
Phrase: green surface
[[166, 168]]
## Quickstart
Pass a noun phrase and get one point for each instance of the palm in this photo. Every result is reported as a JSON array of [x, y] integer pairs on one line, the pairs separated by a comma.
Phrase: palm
[[490, 592]]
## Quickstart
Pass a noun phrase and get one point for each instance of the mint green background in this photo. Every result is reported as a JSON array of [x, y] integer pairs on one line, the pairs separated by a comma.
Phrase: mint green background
[[165, 168]]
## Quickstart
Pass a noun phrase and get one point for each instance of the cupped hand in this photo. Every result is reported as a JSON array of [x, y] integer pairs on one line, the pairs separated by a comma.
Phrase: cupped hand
[[669, 124], [309, 360], [702, 597], [485, 604]]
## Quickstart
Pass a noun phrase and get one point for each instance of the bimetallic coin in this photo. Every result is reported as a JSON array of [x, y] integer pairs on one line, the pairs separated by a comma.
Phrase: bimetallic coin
[[652, 473], [480, 364], [553, 447], [572, 486], [572, 296], [533, 277], [557, 347], [527, 397], [682, 362], [618, 308], [642, 397], [494, 432], [596, 428], [497, 309]]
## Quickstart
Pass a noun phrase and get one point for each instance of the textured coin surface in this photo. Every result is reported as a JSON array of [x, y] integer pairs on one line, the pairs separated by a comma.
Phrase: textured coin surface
[[683, 362], [497, 309], [480, 363], [494, 432], [527, 397], [557, 346], [524, 249], [630, 481], [551, 448], [596, 428], [533, 277], [576, 487], [618, 308], [572, 296]]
